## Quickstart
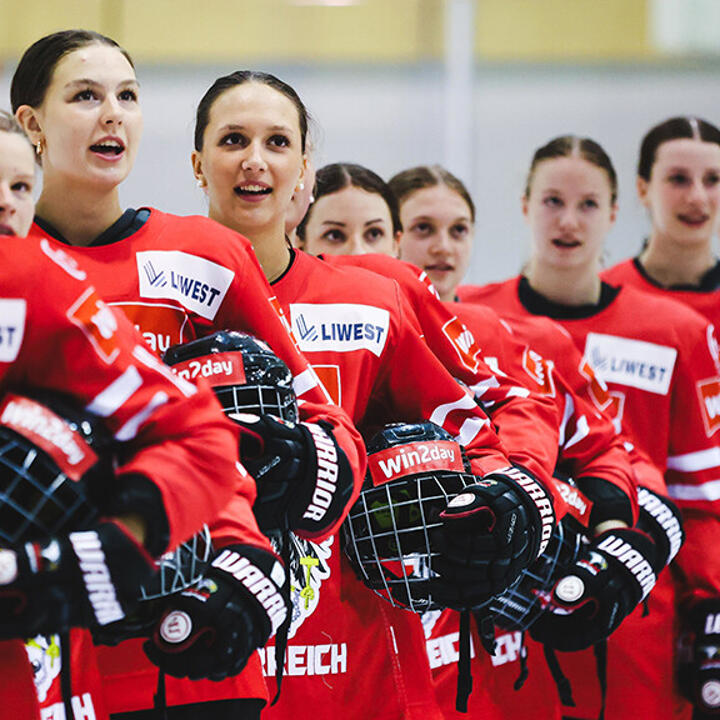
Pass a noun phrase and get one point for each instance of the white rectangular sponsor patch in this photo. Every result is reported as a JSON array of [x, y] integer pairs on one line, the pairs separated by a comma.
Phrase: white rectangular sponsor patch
[[12, 328], [634, 363], [198, 284], [341, 327]]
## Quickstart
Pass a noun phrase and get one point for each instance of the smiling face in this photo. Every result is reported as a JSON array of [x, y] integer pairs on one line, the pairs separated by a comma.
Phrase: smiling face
[[251, 160], [351, 221], [569, 211], [17, 179], [89, 123], [437, 236], [683, 193]]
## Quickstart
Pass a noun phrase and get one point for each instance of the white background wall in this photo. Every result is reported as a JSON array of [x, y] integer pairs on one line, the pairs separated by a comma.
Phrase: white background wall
[[390, 119]]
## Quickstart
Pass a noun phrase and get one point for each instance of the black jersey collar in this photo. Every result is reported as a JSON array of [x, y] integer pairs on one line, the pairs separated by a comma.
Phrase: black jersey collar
[[538, 304], [708, 282], [125, 226]]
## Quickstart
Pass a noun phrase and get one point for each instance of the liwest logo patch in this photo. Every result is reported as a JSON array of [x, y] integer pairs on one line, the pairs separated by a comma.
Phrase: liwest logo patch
[[199, 284], [636, 363], [341, 327], [12, 328]]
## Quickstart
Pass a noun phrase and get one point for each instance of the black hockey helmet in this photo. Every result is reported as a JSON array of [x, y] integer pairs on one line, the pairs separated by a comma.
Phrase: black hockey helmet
[[244, 372], [413, 471], [520, 605], [55, 462]]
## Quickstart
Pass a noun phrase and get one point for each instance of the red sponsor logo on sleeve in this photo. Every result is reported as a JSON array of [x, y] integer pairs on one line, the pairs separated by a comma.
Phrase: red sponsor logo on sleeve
[[217, 368], [709, 398], [464, 343], [611, 402], [540, 370], [578, 505], [97, 322], [49, 432], [414, 458]]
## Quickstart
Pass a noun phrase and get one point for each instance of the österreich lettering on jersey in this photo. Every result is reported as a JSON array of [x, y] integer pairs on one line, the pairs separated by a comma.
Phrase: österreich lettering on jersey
[[636, 363], [414, 458], [198, 284], [12, 327], [340, 327]]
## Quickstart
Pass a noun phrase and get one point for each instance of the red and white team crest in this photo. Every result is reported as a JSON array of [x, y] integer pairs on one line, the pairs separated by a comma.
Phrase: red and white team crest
[[464, 343], [540, 370], [709, 398], [611, 402], [98, 323]]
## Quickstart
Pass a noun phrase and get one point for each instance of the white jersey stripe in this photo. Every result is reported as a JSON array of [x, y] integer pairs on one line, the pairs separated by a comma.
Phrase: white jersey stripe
[[307, 380], [694, 461], [479, 389], [114, 396], [440, 413], [470, 428], [517, 391], [582, 430], [709, 491], [567, 414], [130, 429]]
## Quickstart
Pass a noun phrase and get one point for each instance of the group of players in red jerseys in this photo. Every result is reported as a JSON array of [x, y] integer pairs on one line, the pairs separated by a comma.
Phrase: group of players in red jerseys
[[579, 395]]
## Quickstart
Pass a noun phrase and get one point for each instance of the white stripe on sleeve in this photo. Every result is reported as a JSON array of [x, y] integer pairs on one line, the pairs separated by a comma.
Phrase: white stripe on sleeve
[[130, 429], [706, 491], [441, 412], [694, 461], [112, 398]]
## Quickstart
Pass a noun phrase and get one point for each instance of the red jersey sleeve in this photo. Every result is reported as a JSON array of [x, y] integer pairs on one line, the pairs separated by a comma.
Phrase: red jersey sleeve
[[60, 336]]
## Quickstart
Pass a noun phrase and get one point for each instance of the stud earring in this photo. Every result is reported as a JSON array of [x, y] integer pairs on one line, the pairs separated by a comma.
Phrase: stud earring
[[38, 147], [301, 186], [200, 183]]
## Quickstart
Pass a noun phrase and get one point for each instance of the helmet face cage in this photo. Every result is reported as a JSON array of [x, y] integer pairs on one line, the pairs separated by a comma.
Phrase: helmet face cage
[[37, 499], [518, 607], [181, 569], [388, 533]]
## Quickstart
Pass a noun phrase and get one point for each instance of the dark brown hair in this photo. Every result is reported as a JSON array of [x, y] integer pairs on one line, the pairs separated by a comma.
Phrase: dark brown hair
[[673, 129], [568, 146], [405, 183], [240, 77], [34, 72], [338, 176]]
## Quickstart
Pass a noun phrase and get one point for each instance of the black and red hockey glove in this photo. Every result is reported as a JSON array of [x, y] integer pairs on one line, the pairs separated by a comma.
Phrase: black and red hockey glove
[[303, 478], [661, 520], [211, 630], [699, 671], [85, 578], [491, 532], [602, 587]]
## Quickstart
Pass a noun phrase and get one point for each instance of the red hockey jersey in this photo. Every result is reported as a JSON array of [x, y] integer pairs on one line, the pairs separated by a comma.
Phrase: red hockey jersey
[[56, 334], [178, 278], [346, 643], [658, 360]]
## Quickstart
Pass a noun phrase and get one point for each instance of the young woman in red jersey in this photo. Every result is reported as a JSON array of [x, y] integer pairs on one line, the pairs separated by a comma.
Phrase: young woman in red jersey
[[333, 224], [348, 650], [178, 446], [679, 183], [76, 95], [656, 357]]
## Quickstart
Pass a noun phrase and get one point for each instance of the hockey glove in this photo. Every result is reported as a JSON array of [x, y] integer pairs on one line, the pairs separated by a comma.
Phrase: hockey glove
[[303, 478], [611, 576], [700, 666], [661, 520], [491, 532], [81, 579], [211, 630]]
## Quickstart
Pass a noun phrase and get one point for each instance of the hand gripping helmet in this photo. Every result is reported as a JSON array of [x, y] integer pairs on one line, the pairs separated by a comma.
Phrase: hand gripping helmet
[[244, 372], [413, 471], [54, 463], [518, 607]]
